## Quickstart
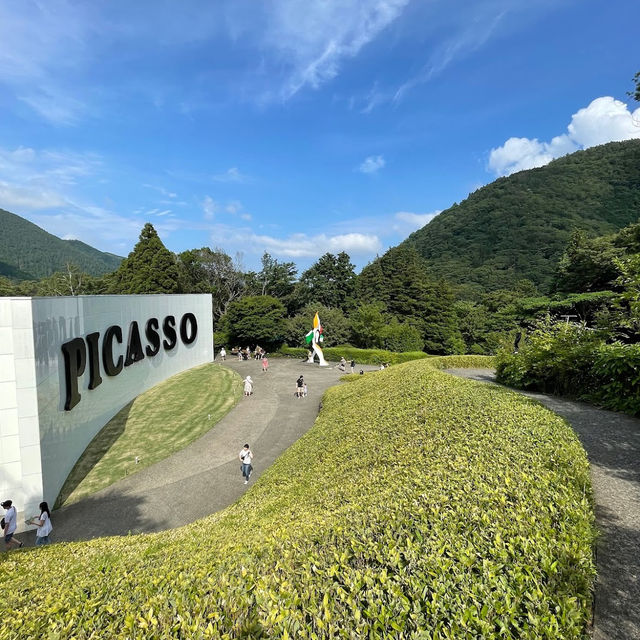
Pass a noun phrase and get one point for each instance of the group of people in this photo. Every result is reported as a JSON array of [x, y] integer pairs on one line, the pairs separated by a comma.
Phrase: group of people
[[10, 524], [342, 365]]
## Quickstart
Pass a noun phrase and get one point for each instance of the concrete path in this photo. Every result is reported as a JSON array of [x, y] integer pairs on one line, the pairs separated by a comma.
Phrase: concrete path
[[612, 442], [205, 476]]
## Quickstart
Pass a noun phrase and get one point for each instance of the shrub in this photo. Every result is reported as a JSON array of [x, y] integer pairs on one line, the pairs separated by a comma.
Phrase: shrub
[[401, 337], [426, 506], [571, 360], [555, 358], [616, 370]]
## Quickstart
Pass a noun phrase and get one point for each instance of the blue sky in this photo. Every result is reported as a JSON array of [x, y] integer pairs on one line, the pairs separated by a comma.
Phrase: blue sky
[[295, 126]]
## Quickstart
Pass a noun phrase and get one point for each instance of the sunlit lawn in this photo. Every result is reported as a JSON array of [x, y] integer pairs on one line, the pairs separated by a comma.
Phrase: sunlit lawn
[[156, 424]]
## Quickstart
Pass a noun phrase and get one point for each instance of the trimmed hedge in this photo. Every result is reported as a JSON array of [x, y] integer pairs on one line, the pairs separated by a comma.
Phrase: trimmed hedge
[[418, 506], [361, 356]]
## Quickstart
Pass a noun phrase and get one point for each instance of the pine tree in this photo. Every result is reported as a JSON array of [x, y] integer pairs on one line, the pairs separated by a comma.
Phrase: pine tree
[[149, 268]]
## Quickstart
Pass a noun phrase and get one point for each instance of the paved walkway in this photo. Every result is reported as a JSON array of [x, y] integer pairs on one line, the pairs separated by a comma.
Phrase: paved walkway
[[612, 442], [205, 476]]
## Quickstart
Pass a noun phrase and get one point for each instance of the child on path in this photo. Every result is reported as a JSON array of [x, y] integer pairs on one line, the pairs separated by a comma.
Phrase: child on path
[[299, 386], [10, 524], [265, 363], [222, 354], [43, 523], [353, 365], [248, 386], [246, 457]]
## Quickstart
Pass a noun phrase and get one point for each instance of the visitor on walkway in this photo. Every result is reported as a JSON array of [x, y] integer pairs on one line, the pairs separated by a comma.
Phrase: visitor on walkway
[[304, 390], [353, 365], [343, 364], [248, 386], [10, 525], [265, 363], [43, 523], [299, 387], [222, 354], [246, 457]]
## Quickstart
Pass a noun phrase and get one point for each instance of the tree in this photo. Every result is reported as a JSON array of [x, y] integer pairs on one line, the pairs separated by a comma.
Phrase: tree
[[70, 282], [367, 322], [275, 279], [213, 271], [401, 336], [635, 94], [587, 264], [149, 268], [337, 328], [330, 281], [6, 288], [255, 320]]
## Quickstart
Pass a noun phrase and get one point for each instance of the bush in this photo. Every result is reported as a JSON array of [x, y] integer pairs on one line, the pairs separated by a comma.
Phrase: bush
[[571, 360], [555, 358], [616, 370], [427, 506], [401, 337]]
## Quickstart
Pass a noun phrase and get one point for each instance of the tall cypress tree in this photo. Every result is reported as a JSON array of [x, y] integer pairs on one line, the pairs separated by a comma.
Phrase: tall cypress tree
[[149, 268]]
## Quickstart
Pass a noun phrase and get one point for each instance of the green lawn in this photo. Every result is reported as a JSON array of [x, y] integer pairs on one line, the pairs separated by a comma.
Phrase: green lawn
[[156, 424]]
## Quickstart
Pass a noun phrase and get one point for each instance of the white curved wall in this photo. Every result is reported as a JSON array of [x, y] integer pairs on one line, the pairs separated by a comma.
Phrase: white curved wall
[[40, 441]]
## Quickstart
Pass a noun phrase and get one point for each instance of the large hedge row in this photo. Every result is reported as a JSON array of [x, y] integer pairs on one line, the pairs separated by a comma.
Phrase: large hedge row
[[418, 506], [361, 356]]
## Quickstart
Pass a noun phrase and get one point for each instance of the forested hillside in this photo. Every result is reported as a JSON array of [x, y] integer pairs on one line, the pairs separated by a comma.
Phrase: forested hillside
[[517, 227], [28, 252]]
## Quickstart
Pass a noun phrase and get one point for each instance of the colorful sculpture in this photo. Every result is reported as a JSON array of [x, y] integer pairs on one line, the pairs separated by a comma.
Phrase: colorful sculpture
[[313, 339]]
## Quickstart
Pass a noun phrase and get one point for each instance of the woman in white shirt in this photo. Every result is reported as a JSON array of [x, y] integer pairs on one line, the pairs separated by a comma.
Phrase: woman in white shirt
[[44, 525]]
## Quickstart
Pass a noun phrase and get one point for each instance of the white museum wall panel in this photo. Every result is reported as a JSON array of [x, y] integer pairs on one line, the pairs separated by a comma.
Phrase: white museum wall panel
[[40, 441]]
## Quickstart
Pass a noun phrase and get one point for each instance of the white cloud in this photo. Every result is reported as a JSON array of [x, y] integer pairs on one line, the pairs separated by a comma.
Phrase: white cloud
[[15, 198], [472, 35], [209, 207], [311, 39], [230, 175], [301, 245], [604, 120], [415, 220], [372, 164], [295, 245]]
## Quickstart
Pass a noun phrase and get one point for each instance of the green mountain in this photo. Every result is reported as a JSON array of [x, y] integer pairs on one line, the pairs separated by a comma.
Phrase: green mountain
[[517, 227], [28, 252]]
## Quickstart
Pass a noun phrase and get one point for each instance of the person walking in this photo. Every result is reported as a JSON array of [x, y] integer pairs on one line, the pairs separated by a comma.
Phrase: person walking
[[248, 386], [353, 365], [342, 365], [222, 354], [265, 363], [246, 457], [43, 523], [10, 524]]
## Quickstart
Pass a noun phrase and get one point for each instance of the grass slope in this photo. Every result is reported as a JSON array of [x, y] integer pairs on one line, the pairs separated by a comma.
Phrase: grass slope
[[418, 506], [157, 423]]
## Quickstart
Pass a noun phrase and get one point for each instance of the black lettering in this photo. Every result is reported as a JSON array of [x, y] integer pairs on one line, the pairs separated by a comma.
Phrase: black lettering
[[169, 330], [188, 336], [134, 345], [111, 368], [75, 360], [95, 379], [153, 337]]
